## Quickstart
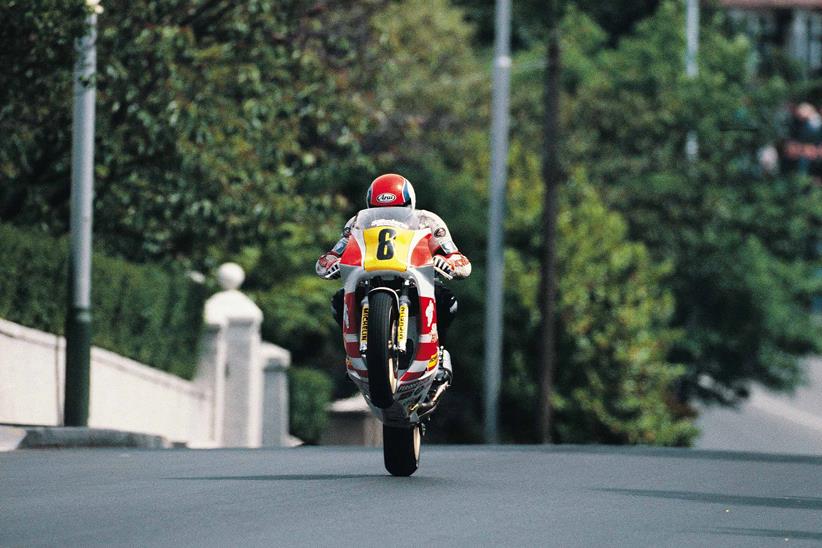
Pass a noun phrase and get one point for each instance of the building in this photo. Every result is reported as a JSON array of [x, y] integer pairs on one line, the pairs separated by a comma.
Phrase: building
[[782, 28]]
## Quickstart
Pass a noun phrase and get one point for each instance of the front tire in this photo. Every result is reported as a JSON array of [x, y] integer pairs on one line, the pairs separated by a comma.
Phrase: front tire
[[380, 358], [401, 449]]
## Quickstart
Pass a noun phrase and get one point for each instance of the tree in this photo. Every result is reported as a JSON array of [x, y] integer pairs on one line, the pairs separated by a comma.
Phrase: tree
[[37, 54], [613, 382], [743, 243], [218, 123]]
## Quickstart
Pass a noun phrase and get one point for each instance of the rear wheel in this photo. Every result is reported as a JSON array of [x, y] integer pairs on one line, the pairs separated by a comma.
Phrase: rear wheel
[[381, 356], [401, 449]]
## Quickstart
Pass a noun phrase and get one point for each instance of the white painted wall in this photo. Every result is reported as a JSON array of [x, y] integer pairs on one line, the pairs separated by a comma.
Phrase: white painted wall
[[228, 404], [124, 394]]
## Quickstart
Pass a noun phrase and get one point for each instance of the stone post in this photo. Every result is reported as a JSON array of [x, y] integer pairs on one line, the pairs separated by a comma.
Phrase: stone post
[[211, 376], [276, 361], [242, 398]]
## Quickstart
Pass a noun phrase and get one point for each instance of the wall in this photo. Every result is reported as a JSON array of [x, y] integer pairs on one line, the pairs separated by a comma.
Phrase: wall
[[238, 398], [136, 398]]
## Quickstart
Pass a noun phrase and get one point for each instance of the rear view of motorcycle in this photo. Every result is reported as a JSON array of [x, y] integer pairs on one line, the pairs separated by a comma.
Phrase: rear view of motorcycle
[[390, 328]]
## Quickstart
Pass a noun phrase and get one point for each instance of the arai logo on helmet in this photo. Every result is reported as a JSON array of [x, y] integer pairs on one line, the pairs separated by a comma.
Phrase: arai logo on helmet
[[386, 198]]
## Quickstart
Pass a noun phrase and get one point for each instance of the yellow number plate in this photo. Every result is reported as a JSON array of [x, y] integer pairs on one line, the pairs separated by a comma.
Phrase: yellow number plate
[[387, 248]]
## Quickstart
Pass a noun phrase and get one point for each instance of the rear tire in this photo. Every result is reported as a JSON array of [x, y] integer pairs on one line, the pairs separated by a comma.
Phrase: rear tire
[[401, 449], [380, 358]]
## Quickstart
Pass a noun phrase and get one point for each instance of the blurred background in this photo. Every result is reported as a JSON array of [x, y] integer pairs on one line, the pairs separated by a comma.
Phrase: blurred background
[[689, 285]]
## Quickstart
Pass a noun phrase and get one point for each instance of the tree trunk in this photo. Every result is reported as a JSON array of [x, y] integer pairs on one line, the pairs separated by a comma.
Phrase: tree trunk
[[548, 283]]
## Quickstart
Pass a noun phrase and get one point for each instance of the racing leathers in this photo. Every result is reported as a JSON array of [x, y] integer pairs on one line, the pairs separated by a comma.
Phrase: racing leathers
[[446, 257]]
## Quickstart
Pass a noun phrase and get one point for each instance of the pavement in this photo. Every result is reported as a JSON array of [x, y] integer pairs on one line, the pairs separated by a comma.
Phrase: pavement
[[461, 496], [767, 421], [61, 437]]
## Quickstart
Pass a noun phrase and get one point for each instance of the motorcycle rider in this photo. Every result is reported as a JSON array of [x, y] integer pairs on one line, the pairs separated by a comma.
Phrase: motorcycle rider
[[392, 190]]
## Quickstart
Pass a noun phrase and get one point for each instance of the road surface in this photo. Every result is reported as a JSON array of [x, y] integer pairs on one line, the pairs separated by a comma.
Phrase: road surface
[[461, 496]]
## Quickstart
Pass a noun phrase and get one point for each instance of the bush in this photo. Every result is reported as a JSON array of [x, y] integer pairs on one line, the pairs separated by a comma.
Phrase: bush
[[148, 313], [309, 393]]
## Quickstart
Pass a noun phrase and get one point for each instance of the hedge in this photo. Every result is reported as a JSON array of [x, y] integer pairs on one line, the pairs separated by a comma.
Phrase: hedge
[[149, 313], [309, 393]]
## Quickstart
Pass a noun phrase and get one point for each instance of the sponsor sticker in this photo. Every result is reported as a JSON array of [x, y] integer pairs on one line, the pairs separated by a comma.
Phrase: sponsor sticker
[[364, 326], [386, 197], [440, 232], [402, 329]]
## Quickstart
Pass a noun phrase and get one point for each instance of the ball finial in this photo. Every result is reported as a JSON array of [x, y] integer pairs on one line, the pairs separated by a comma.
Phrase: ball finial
[[230, 276]]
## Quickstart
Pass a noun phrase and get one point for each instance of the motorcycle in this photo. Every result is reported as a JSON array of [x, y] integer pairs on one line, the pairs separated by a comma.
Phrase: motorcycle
[[390, 327]]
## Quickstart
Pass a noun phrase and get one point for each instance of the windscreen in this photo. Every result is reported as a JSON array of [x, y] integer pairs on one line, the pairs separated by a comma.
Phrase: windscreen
[[400, 217]]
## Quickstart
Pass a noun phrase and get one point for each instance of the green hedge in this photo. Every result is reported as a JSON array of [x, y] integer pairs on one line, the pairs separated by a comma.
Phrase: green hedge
[[309, 393], [148, 313]]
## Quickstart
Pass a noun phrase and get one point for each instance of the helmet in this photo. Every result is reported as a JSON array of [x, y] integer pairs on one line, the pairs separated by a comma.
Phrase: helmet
[[390, 190]]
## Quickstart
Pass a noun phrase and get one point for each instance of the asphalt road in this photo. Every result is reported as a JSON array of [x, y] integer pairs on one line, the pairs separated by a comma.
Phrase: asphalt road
[[461, 496]]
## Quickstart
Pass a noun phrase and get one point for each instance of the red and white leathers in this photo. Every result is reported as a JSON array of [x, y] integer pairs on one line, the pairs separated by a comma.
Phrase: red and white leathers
[[445, 252]]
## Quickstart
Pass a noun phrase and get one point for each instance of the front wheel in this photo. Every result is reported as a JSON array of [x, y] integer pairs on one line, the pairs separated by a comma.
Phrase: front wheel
[[401, 449], [381, 356]]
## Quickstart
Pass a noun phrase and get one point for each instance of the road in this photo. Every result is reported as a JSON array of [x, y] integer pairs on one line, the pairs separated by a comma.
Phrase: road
[[461, 496]]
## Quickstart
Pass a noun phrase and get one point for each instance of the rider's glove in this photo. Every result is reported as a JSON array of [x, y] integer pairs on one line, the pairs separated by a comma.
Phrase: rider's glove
[[458, 265], [328, 266], [443, 264]]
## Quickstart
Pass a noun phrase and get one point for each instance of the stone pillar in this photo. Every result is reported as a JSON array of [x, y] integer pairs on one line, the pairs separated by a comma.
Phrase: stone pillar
[[211, 376], [242, 409], [276, 361]]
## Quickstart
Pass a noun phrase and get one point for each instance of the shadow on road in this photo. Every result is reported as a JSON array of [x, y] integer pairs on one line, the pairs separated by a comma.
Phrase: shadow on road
[[800, 503], [769, 533], [286, 477]]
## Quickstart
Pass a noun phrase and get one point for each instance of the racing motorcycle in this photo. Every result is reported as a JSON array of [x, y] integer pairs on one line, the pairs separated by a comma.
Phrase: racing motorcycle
[[390, 327]]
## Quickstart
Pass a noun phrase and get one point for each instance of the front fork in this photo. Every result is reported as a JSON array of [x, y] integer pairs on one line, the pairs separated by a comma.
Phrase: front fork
[[364, 325], [402, 322]]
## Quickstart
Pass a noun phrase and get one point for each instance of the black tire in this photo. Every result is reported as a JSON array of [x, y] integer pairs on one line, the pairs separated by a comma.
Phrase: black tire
[[380, 358], [401, 449]]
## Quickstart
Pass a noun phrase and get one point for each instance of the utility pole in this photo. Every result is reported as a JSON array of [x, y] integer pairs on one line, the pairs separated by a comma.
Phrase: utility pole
[[691, 66], [551, 178], [494, 304], [78, 317]]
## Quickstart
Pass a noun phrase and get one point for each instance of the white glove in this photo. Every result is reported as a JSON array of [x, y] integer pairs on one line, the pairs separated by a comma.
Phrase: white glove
[[328, 266], [333, 271], [442, 263]]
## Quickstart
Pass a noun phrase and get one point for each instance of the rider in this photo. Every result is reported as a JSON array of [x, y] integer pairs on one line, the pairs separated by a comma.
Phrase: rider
[[392, 190]]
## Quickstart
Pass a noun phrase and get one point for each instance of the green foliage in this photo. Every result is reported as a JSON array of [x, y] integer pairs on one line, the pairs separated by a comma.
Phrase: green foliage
[[144, 312], [309, 393], [37, 56], [217, 122], [742, 244], [613, 381]]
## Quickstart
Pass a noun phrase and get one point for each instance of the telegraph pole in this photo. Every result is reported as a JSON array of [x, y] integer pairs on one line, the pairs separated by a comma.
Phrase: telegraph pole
[[551, 174], [494, 304], [691, 66], [78, 316]]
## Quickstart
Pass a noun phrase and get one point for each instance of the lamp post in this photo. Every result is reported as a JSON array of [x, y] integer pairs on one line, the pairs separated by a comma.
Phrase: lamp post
[[78, 316], [496, 212], [691, 66]]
